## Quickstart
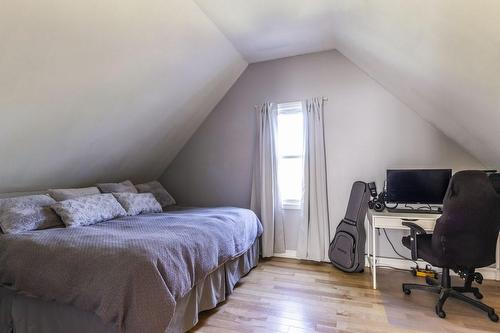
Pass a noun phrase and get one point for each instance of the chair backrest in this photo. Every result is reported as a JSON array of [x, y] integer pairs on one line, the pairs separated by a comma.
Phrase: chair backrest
[[466, 234], [495, 180]]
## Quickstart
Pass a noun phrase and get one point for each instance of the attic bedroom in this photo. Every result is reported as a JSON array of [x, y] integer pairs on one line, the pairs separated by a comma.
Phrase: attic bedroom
[[249, 166]]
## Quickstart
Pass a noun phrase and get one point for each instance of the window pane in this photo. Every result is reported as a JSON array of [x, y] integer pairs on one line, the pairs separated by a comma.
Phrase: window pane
[[290, 141], [290, 134], [290, 177]]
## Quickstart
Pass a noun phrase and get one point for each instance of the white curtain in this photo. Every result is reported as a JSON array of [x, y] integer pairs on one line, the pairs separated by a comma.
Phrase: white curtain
[[314, 231], [265, 201]]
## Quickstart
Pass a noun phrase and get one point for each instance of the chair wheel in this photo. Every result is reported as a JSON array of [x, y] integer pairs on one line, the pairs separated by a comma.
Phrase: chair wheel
[[478, 295], [430, 281], [440, 313], [407, 291], [493, 316]]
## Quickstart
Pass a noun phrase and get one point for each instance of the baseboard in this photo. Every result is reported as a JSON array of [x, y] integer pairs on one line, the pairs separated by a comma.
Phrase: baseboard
[[489, 273]]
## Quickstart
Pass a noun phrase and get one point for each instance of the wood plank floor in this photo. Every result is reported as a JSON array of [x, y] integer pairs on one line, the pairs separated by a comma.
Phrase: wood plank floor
[[285, 295]]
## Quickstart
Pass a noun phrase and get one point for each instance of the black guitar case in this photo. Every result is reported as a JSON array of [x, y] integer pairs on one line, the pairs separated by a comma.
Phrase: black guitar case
[[347, 250]]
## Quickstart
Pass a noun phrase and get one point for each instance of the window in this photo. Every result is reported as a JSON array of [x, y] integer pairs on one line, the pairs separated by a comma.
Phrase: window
[[290, 150]]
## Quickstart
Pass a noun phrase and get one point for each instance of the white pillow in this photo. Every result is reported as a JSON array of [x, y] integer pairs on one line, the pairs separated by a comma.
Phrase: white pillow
[[138, 203], [88, 210], [71, 193]]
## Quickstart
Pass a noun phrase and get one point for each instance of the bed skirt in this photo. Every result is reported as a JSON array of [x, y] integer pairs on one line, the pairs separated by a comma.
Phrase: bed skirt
[[22, 314]]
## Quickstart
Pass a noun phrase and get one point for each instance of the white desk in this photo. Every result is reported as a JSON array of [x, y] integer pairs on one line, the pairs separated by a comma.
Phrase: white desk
[[386, 220]]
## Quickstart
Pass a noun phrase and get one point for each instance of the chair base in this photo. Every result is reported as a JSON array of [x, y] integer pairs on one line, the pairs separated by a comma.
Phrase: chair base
[[445, 291]]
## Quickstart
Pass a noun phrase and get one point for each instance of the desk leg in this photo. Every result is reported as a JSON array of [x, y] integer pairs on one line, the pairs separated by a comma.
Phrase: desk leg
[[369, 247], [374, 257]]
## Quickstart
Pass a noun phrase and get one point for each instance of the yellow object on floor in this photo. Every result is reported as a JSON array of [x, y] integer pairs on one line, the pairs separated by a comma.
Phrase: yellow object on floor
[[427, 272]]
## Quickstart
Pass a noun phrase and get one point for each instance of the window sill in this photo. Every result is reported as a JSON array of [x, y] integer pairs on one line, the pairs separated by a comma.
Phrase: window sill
[[291, 207]]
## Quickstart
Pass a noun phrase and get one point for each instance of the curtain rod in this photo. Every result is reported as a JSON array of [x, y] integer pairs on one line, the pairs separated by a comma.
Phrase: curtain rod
[[325, 99]]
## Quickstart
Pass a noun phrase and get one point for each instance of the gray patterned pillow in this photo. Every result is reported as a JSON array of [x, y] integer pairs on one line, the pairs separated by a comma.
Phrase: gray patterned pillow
[[27, 217], [88, 210], [163, 197], [36, 200], [125, 186], [71, 193], [27, 213], [138, 203]]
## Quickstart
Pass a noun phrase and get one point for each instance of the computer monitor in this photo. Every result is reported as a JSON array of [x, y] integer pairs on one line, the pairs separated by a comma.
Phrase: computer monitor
[[419, 186]]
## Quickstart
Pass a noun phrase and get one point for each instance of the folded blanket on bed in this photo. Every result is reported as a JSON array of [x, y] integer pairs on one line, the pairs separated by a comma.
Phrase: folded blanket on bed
[[129, 271]]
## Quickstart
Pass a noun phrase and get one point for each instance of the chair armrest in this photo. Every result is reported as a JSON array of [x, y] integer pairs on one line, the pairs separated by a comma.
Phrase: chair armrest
[[415, 230], [414, 227]]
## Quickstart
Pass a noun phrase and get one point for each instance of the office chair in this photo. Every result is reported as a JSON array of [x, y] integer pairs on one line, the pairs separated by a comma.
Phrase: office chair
[[464, 239], [495, 179]]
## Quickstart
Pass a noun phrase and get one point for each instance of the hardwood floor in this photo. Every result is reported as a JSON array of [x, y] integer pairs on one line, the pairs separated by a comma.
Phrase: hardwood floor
[[285, 295]]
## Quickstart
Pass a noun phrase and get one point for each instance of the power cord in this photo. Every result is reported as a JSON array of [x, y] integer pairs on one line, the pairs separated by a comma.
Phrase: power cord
[[400, 255], [394, 248]]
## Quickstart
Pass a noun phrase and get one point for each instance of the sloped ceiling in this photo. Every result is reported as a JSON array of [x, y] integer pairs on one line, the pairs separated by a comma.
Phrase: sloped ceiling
[[94, 90], [440, 57], [271, 29]]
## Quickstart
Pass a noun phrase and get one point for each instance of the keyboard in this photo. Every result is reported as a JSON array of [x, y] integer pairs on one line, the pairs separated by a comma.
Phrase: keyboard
[[414, 211]]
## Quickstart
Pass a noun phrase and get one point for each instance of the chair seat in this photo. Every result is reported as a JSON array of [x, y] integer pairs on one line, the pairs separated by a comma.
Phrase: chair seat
[[424, 249]]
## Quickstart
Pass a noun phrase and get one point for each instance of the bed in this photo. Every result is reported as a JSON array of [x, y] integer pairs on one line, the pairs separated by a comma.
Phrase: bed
[[147, 273]]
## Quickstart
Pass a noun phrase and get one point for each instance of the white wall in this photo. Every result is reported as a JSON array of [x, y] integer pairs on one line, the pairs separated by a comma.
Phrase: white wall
[[367, 131], [95, 90]]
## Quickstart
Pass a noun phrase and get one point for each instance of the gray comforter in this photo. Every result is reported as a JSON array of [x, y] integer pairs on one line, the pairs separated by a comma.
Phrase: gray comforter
[[129, 271]]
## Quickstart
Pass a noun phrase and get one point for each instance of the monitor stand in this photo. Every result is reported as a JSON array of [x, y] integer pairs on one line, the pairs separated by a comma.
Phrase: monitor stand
[[415, 211]]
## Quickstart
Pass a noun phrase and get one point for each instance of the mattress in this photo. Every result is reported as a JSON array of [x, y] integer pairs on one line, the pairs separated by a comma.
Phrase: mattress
[[130, 272]]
